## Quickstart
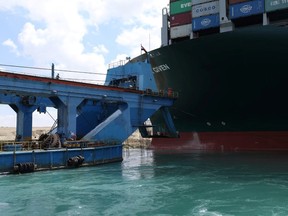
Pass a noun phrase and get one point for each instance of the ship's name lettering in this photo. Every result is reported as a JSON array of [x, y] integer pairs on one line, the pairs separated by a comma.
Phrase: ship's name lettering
[[185, 5], [161, 68]]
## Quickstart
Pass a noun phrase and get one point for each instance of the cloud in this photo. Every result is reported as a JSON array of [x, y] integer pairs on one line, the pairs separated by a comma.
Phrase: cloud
[[33, 37], [12, 45], [100, 49], [55, 30], [137, 36]]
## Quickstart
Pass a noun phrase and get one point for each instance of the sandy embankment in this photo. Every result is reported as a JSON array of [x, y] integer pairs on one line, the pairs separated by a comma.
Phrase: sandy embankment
[[9, 133], [134, 141]]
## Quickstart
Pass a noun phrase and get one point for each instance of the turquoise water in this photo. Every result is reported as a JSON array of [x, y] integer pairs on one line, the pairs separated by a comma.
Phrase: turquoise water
[[148, 183]]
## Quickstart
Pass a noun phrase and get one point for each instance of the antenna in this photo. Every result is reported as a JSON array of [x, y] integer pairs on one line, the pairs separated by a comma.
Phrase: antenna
[[149, 42]]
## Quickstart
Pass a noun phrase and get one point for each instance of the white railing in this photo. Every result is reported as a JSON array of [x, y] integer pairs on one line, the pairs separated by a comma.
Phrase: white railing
[[117, 64]]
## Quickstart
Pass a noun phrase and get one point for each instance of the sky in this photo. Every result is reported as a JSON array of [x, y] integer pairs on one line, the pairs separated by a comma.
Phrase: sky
[[81, 35]]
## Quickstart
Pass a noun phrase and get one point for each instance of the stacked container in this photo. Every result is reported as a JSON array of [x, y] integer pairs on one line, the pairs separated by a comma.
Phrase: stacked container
[[244, 8], [205, 14], [274, 5], [180, 18]]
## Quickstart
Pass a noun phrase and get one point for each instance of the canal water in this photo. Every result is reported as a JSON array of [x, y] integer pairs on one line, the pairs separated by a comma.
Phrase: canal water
[[150, 183]]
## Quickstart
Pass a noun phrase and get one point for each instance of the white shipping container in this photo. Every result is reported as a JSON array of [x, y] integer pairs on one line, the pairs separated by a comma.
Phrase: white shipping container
[[205, 9], [180, 31], [194, 2]]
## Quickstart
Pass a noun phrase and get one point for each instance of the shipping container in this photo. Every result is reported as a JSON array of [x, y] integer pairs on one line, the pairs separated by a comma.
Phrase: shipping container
[[206, 22], [205, 9], [181, 6], [237, 1], [246, 9], [194, 2], [272, 5], [181, 31], [180, 19]]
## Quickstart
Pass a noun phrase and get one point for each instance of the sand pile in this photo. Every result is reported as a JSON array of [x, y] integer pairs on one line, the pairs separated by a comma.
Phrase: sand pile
[[136, 141]]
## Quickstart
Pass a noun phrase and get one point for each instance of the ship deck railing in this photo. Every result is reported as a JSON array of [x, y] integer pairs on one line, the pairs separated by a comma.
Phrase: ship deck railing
[[160, 93], [117, 64], [16, 146]]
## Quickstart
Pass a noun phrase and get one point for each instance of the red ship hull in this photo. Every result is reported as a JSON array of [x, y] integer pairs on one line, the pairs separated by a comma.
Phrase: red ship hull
[[224, 141]]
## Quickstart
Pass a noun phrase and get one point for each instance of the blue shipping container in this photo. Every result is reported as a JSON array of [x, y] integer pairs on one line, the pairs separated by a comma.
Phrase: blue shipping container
[[246, 9], [205, 22]]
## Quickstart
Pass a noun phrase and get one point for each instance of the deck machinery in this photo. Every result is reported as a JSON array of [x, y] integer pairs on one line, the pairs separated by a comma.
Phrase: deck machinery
[[89, 117]]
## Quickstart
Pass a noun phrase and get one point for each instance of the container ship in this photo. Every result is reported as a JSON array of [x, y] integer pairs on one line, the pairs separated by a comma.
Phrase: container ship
[[227, 59]]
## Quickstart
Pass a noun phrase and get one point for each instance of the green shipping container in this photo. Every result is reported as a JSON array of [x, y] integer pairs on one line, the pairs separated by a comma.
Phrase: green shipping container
[[272, 5], [181, 6]]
